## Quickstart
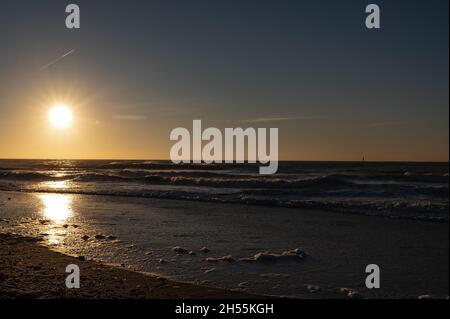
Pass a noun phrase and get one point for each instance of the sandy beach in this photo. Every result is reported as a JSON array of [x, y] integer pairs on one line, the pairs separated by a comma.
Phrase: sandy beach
[[336, 247], [29, 270]]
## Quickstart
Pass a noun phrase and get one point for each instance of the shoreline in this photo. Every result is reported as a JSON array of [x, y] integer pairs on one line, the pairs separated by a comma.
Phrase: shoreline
[[338, 247], [29, 270], [255, 204]]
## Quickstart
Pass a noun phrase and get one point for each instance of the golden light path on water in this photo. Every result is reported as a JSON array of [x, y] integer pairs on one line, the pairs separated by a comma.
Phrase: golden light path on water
[[56, 209], [56, 185]]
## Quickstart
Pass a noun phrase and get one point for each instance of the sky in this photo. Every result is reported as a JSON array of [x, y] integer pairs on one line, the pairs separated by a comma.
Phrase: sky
[[137, 69]]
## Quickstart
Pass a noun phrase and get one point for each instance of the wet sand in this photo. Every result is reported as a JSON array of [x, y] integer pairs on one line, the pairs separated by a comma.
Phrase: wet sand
[[29, 270], [413, 255]]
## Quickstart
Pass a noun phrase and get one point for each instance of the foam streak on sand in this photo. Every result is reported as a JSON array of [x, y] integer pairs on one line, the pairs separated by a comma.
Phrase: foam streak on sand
[[29, 270]]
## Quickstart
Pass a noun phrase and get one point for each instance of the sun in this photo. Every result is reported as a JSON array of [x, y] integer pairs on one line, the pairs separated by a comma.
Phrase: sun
[[60, 116]]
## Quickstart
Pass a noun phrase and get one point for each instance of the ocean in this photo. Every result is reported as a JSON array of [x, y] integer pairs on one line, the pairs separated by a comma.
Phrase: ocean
[[407, 190], [313, 223]]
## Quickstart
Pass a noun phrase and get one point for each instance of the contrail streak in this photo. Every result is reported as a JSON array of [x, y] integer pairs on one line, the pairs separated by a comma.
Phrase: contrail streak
[[56, 60]]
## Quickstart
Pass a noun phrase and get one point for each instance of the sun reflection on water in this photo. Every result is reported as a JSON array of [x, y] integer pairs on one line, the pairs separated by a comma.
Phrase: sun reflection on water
[[57, 207], [56, 185]]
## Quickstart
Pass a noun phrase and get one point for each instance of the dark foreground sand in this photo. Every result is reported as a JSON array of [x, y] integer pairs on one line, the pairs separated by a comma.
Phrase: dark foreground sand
[[29, 270], [413, 255]]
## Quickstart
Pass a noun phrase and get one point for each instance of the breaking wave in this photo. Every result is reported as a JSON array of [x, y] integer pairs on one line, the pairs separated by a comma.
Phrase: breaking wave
[[390, 189]]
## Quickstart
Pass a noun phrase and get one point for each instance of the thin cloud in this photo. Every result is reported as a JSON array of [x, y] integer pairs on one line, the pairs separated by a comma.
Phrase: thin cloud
[[42, 68], [129, 117], [276, 119], [382, 124]]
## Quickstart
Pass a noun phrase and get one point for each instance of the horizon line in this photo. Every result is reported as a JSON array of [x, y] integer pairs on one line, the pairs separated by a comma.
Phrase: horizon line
[[287, 160]]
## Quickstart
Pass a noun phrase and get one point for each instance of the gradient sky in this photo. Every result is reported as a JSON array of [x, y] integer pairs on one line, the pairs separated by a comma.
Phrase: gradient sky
[[335, 90]]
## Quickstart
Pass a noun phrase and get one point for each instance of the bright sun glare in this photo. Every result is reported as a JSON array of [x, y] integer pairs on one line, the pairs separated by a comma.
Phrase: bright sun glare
[[60, 116]]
